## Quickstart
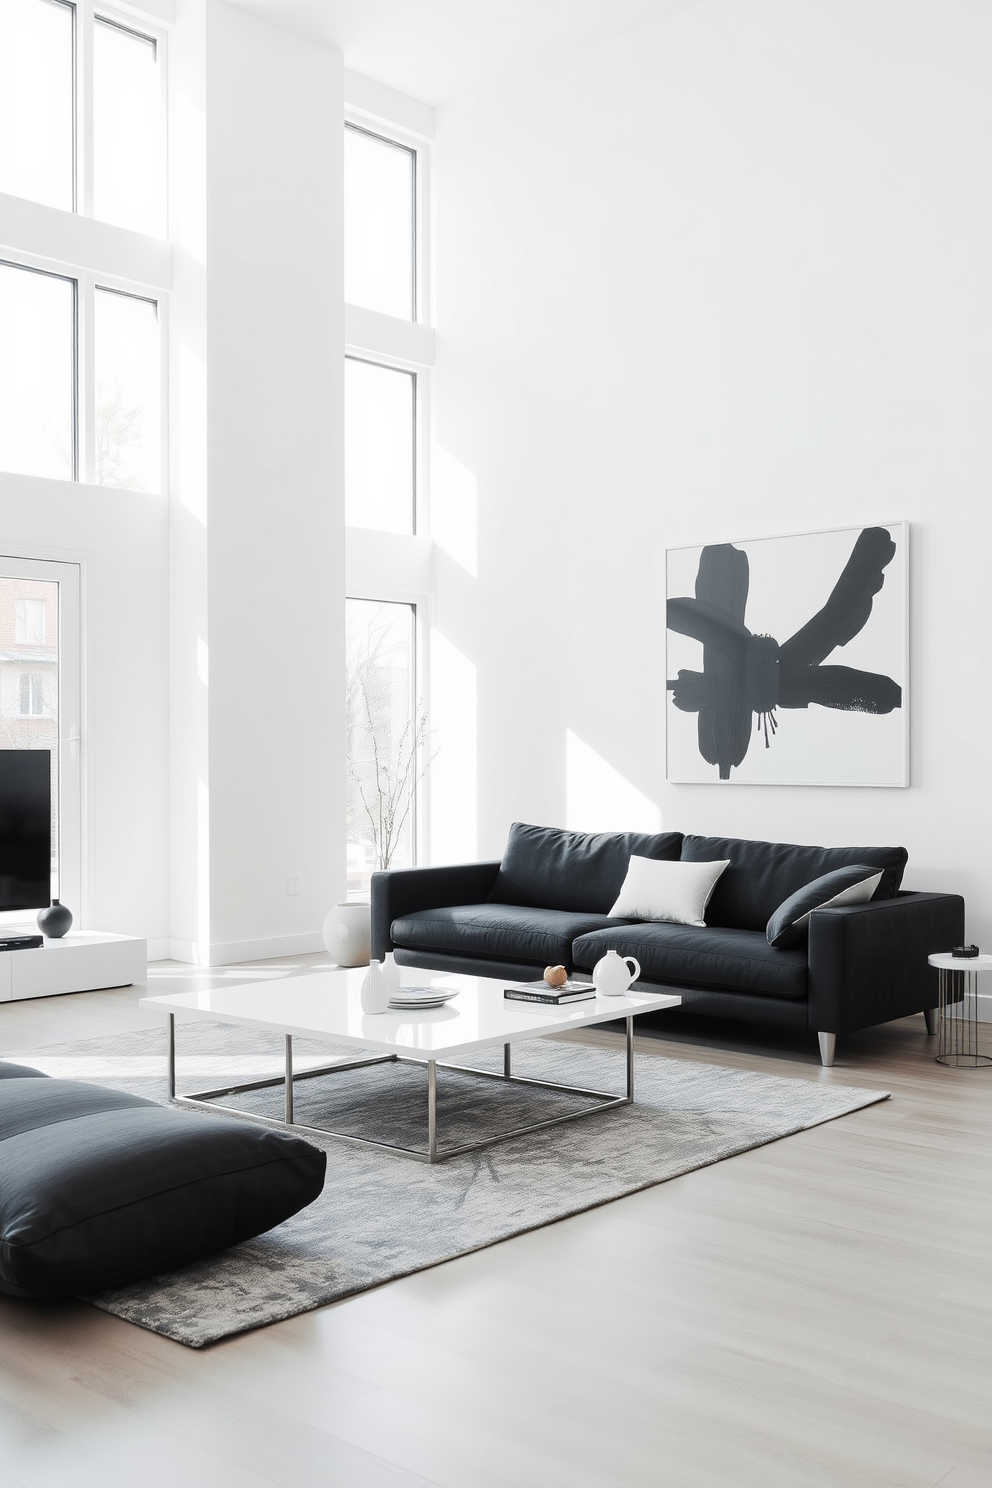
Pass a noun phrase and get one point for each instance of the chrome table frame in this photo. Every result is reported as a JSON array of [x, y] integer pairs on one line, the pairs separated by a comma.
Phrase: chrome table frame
[[433, 1154]]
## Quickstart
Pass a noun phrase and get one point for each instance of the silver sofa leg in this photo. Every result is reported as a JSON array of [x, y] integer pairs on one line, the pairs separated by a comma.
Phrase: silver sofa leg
[[828, 1048], [932, 1016]]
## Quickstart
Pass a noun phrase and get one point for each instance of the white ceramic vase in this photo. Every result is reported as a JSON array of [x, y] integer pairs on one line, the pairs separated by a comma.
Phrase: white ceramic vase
[[348, 934], [611, 976], [381, 980]]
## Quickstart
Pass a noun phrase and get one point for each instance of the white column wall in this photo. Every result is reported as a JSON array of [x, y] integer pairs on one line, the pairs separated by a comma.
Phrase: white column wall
[[274, 543], [722, 277]]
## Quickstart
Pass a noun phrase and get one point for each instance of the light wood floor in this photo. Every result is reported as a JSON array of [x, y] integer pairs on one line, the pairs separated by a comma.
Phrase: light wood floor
[[818, 1311]]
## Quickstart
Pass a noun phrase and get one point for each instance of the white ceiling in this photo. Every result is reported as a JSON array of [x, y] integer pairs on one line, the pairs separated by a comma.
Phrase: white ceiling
[[434, 49]]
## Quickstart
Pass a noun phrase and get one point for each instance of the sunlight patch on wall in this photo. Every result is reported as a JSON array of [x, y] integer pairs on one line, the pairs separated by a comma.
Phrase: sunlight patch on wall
[[454, 773], [454, 509], [599, 799]]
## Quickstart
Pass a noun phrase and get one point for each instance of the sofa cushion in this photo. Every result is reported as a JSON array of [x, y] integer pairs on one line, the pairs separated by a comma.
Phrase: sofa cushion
[[99, 1188], [763, 874], [509, 932], [547, 868], [789, 925], [681, 955]]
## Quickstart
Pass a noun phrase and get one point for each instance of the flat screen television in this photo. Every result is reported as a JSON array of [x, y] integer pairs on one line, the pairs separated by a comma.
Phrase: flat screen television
[[25, 828]]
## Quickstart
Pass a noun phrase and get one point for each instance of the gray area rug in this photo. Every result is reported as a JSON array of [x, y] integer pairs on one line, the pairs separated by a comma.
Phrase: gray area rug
[[383, 1216]]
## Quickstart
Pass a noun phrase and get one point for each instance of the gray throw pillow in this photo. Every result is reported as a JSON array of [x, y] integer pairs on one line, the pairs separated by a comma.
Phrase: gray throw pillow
[[855, 884]]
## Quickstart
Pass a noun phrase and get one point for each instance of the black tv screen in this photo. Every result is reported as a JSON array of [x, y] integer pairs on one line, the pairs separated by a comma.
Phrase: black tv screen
[[25, 828]]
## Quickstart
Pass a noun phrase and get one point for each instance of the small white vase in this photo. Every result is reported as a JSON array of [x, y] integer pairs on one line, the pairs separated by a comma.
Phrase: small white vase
[[348, 934], [381, 980]]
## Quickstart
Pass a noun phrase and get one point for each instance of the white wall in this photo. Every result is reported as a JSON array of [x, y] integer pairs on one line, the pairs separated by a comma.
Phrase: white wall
[[722, 277]]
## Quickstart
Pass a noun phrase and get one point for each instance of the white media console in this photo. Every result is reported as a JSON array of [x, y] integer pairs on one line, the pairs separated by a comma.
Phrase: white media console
[[81, 961]]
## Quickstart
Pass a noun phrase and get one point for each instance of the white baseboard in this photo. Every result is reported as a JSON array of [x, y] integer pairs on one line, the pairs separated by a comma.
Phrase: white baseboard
[[233, 952], [160, 948]]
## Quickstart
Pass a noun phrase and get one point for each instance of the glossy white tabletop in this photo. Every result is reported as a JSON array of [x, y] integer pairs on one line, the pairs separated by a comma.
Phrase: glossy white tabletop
[[946, 962], [327, 1004]]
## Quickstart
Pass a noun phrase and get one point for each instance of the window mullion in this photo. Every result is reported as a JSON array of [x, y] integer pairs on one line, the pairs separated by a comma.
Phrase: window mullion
[[86, 395], [84, 108]]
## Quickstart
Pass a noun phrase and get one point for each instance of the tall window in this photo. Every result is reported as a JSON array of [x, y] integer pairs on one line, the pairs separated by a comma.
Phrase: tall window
[[380, 447], [88, 138], [127, 358], [386, 392], [128, 154], [52, 423], [37, 372], [380, 206], [37, 134]]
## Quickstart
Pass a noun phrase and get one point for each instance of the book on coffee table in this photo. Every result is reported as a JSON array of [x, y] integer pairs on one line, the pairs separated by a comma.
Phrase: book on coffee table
[[556, 996]]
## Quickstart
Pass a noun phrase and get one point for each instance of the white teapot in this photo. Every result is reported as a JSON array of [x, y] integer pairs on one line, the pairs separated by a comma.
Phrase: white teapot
[[611, 976]]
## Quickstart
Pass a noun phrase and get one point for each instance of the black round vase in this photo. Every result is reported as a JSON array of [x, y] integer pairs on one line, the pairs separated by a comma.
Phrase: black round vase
[[55, 920]]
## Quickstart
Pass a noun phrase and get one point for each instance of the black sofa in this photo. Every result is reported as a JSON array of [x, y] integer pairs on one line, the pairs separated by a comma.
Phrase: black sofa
[[547, 902]]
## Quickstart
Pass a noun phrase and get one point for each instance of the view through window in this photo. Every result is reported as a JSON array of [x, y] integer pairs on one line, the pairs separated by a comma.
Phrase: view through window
[[386, 738], [29, 679]]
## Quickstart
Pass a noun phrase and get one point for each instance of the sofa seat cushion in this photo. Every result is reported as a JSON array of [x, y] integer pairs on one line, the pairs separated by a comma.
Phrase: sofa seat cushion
[[547, 868], [683, 956], [99, 1188], [508, 932], [762, 875]]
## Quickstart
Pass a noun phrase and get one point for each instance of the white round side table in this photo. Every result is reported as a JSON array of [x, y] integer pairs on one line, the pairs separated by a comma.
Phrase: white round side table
[[957, 1011]]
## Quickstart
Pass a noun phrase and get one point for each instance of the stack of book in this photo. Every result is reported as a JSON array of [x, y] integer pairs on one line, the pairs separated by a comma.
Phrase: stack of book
[[556, 996]]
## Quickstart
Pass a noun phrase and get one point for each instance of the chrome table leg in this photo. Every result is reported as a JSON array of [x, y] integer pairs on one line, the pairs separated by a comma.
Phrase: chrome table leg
[[431, 1111], [289, 1079]]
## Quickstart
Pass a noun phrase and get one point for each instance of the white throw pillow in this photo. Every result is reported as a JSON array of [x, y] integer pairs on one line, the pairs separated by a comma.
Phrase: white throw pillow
[[675, 892]]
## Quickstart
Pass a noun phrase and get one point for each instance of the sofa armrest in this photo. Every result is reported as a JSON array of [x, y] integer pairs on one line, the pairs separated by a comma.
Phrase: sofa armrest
[[868, 962], [402, 891]]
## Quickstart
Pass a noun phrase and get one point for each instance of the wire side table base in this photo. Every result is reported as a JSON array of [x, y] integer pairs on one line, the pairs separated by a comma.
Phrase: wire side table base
[[958, 1019]]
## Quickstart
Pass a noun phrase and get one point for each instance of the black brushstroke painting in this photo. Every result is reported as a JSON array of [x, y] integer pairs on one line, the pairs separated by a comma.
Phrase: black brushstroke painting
[[745, 674]]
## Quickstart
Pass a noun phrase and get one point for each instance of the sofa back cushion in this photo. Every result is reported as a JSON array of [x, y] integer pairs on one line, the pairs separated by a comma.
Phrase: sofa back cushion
[[547, 868], [763, 874]]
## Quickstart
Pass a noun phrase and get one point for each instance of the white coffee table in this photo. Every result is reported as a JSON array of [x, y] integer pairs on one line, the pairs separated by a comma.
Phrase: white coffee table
[[327, 1005]]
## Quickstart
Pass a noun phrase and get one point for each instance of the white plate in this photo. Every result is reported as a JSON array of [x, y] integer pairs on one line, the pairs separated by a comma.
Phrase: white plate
[[414, 997]]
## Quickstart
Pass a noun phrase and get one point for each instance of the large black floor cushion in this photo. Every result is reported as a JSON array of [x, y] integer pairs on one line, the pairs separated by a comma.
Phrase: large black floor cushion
[[99, 1188], [763, 874], [685, 956], [505, 932], [548, 868]]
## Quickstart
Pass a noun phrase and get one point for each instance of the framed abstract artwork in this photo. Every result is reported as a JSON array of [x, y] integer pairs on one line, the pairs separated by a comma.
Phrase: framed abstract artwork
[[788, 659]]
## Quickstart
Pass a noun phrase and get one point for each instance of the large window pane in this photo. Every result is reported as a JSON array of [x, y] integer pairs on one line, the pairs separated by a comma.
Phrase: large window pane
[[386, 738], [128, 392], [37, 373], [380, 447], [379, 224], [29, 678], [36, 101], [128, 145]]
